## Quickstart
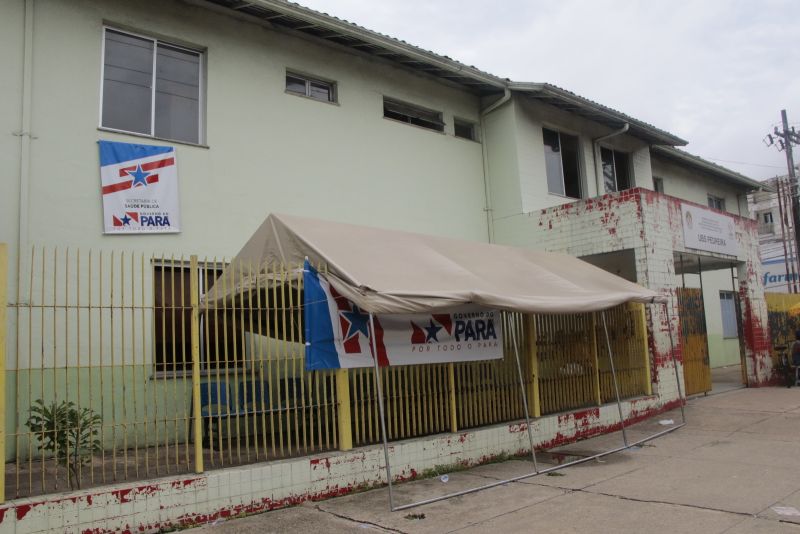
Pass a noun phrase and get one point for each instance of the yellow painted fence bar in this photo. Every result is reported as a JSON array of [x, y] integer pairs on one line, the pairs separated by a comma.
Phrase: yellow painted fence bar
[[197, 426], [180, 385]]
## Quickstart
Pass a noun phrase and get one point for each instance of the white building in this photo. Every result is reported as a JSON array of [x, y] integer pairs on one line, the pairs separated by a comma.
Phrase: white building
[[272, 107]]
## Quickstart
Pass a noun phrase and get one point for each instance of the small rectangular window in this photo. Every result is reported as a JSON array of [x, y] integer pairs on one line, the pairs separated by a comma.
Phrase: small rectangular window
[[150, 87], [561, 163], [716, 202], [317, 89], [658, 185], [464, 129], [767, 216], [616, 170], [410, 114], [727, 301]]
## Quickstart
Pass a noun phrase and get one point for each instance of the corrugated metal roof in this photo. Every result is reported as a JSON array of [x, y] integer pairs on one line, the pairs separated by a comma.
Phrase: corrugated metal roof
[[292, 16], [712, 168], [573, 103]]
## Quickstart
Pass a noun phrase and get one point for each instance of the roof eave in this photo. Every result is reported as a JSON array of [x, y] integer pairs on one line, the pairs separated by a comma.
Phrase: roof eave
[[641, 129], [711, 168]]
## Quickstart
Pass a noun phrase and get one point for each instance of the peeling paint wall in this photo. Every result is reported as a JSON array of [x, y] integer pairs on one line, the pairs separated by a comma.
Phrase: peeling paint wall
[[177, 502], [649, 224]]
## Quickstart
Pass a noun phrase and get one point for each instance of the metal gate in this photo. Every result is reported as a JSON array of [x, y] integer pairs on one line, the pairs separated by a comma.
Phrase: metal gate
[[694, 340]]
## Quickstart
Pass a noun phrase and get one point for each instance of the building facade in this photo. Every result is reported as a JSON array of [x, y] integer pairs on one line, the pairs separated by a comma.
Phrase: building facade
[[275, 108]]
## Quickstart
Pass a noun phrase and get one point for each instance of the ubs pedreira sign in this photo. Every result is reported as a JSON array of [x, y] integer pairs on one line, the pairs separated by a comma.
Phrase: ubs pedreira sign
[[704, 229]]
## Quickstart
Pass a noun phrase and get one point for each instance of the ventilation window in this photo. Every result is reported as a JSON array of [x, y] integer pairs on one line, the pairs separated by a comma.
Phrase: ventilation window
[[410, 114], [464, 129], [300, 85]]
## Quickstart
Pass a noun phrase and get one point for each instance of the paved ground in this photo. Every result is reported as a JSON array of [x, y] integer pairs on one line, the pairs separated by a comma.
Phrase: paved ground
[[726, 378], [734, 468]]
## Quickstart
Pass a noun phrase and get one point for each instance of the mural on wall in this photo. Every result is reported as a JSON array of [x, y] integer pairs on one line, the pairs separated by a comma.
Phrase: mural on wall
[[139, 185]]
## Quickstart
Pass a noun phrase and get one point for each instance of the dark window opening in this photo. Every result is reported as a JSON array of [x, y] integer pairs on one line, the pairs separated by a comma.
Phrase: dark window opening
[[410, 114], [658, 185], [464, 129], [221, 332], [616, 170], [716, 202], [561, 163]]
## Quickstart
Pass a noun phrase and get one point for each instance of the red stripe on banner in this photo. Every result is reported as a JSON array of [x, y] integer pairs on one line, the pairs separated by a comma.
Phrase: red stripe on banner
[[417, 336], [121, 186], [383, 359], [445, 320], [342, 303], [148, 166]]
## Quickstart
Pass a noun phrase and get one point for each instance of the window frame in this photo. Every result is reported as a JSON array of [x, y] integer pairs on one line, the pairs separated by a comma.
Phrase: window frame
[[629, 170], [658, 184], [309, 79], [414, 107], [578, 164], [201, 92], [715, 200]]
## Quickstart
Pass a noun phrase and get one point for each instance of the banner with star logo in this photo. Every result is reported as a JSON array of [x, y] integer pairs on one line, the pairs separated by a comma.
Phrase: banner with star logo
[[338, 334], [139, 185]]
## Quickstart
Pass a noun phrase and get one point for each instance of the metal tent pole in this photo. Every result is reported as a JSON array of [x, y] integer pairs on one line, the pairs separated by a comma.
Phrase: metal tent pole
[[614, 378], [376, 367], [675, 364], [524, 396]]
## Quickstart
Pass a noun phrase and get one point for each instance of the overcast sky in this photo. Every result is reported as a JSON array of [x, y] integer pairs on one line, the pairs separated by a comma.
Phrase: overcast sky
[[714, 72]]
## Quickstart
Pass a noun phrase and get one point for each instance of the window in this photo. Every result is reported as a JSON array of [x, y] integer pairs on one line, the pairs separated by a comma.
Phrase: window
[[716, 202], [766, 224], [727, 301], [298, 84], [658, 184], [561, 163], [220, 332], [150, 87], [464, 129], [408, 113], [616, 170]]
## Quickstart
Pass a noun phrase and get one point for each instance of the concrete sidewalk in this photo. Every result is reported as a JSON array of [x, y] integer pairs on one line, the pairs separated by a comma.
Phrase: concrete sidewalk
[[734, 468]]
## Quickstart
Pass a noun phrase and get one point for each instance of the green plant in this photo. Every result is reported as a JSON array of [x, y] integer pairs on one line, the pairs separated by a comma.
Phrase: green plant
[[69, 432]]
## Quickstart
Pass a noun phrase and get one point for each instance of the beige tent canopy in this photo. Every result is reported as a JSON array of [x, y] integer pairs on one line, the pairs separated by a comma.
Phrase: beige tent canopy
[[388, 271]]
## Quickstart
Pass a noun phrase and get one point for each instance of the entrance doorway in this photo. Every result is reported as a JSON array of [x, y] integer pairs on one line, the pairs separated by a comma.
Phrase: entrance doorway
[[710, 318]]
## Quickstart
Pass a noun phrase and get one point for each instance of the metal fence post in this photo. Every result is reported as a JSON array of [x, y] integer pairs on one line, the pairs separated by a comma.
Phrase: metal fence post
[[197, 426], [343, 416], [641, 334], [598, 396], [451, 385], [3, 304], [534, 366]]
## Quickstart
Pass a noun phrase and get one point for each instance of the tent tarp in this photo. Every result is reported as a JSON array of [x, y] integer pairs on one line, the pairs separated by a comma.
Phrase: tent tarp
[[389, 271]]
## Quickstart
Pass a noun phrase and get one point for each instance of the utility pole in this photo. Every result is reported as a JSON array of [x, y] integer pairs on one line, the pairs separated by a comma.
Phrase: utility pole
[[784, 140]]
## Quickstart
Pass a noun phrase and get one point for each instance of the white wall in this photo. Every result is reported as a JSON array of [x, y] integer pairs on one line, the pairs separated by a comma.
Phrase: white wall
[[267, 150], [695, 186]]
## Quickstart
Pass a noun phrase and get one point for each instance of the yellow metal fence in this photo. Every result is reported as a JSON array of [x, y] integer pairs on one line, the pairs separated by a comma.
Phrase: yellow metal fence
[[118, 370]]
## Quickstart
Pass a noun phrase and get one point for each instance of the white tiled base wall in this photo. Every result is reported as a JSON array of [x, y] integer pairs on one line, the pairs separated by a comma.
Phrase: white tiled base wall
[[149, 506]]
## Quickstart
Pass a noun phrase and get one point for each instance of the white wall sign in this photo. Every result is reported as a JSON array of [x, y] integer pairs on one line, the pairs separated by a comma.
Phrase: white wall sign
[[139, 185], [708, 230]]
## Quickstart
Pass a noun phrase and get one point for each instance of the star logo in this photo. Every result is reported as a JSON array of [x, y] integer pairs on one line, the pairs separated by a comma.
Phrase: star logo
[[357, 322], [139, 177], [126, 221], [432, 330]]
